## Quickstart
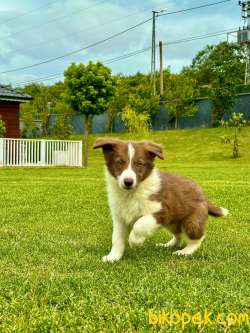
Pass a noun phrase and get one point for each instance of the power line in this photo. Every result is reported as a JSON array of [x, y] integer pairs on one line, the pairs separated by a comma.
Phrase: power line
[[78, 50], [104, 40], [28, 12], [45, 78], [192, 8], [53, 20], [80, 31], [137, 52], [190, 39], [108, 61]]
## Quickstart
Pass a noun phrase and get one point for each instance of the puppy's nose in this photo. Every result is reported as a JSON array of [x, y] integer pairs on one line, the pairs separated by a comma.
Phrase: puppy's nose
[[128, 182]]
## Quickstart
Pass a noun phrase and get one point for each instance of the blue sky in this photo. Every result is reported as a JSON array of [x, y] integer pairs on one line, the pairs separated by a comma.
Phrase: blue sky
[[33, 31]]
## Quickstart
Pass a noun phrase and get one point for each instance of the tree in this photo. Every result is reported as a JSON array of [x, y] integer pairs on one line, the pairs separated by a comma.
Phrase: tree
[[28, 120], [44, 102], [62, 127], [89, 89], [220, 67], [118, 101], [236, 122], [180, 94], [133, 93], [38, 108]]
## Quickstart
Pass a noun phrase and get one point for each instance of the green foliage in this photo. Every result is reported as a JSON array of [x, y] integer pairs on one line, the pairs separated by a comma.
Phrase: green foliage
[[221, 68], [243, 89], [2, 128], [136, 123], [143, 103], [44, 102], [63, 127], [223, 98], [38, 108], [219, 61], [134, 92], [180, 96], [89, 89], [29, 122], [236, 122]]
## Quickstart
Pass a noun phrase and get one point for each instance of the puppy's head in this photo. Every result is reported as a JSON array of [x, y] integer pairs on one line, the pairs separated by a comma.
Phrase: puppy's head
[[129, 162]]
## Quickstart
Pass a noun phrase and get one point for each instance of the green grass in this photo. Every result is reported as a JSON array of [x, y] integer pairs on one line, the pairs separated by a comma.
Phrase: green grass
[[55, 226]]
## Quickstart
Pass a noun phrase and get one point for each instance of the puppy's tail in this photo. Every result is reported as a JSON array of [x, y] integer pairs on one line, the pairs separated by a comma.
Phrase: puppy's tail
[[217, 211]]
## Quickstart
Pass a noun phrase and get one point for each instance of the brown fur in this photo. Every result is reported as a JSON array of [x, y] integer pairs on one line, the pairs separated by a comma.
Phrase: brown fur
[[116, 156], [185, 207]]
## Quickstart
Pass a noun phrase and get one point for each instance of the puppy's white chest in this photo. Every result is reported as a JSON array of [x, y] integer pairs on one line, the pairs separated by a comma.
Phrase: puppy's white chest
[[129, 205], [132, 208]]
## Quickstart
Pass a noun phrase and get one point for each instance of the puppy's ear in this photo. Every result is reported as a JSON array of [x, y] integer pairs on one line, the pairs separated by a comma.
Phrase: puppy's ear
[[154, 149], [105, 143]]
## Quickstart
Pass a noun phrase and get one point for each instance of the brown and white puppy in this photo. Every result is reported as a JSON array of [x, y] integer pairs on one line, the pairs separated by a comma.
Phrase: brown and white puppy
[[143, 200]]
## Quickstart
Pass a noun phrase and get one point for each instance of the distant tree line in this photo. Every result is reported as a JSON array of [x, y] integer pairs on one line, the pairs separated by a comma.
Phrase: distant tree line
[[91, 89]]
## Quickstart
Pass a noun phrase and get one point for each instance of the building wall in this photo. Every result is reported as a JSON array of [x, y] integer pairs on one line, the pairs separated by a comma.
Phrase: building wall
[[202, 118], [10, 115]]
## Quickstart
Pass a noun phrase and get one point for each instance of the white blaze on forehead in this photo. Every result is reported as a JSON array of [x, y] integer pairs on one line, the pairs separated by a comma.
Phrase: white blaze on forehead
[[129, 172], [131, 153]]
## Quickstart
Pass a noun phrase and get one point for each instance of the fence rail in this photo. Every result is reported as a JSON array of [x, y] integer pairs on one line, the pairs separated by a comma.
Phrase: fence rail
[[40, 153]]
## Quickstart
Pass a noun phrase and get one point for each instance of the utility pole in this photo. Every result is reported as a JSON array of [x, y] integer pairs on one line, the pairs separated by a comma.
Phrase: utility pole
[[153, 76], [243, 36], [161, 68], [153, 81]]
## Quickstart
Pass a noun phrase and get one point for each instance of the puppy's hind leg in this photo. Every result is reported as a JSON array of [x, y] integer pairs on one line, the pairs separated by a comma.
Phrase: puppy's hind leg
[[192, 246], [194, 230]]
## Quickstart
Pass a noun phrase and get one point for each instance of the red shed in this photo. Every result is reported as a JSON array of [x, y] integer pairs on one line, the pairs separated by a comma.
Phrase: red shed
[[10, 100]]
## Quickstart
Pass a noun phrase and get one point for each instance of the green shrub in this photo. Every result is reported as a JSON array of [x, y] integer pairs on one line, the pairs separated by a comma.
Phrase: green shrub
[[136, 123], [2, 128], [29, 125], [62, 127], [236, 122]]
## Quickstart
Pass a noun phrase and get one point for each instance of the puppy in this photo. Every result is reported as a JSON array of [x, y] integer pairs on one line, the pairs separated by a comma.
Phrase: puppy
[[143, 200]]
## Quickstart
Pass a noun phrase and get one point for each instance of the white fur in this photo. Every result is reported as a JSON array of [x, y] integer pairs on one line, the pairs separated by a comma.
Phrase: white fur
[[129, 172], [143, 228], [225, 211], [192, 246], [118, 242], [128, 206]]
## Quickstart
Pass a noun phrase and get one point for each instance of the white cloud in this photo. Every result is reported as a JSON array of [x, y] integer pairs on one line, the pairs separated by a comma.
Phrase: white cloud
[[30, 43]]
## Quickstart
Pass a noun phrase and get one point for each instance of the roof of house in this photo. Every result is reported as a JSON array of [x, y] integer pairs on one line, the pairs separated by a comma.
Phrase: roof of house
[[9, 94]]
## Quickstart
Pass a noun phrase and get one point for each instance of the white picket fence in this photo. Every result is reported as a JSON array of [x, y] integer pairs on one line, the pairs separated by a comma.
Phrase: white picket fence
[[40, 153]]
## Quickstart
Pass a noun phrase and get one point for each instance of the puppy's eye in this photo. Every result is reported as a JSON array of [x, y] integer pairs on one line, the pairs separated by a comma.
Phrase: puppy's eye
[[140, 163], [120, 162]]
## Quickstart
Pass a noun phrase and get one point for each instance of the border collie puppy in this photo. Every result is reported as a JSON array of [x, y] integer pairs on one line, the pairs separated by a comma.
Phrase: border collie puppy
[[143, 200]]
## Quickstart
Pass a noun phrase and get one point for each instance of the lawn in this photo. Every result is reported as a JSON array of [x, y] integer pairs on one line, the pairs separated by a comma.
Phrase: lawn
[[55, 226]]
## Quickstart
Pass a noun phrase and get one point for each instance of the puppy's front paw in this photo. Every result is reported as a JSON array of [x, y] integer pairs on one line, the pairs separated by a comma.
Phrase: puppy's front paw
[[111, 258], [183, 252], [135, 240]]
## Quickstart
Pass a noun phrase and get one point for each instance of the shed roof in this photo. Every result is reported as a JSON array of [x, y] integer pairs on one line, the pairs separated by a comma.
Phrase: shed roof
[[9, 94]]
